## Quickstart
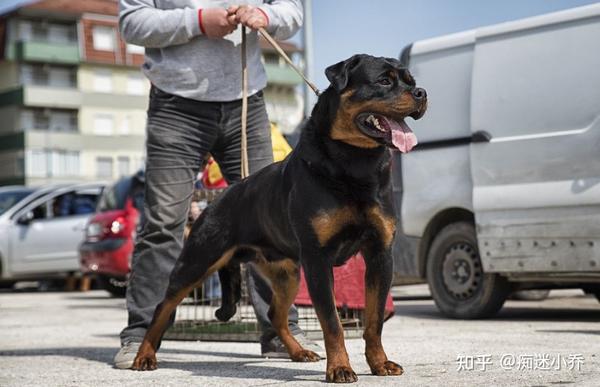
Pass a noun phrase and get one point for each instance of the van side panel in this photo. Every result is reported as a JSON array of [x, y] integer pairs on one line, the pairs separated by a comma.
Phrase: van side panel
[[439, 179], [537, 183]]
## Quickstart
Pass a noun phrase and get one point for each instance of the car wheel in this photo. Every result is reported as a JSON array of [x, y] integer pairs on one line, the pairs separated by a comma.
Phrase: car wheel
[[456, 279], [116, 286]]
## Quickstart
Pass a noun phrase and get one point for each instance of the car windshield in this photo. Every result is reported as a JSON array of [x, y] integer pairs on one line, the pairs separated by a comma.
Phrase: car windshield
[[115, 197], [10, 198]]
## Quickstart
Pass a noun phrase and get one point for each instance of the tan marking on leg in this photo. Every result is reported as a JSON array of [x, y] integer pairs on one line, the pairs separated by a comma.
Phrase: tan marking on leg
[[327, 224], [283, 277], [376, 357], [146, 356], [338, 369], [384, 224]]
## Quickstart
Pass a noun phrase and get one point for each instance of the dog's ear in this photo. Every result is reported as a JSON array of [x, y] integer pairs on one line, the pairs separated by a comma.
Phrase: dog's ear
[[338, 73]]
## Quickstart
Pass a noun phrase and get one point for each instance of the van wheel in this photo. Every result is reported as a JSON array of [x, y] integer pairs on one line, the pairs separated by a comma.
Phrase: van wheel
[[116, 286], [456, 279]]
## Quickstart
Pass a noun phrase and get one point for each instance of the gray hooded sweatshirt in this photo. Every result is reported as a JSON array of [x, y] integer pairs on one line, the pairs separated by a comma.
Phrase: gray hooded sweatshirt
[[182, 61]]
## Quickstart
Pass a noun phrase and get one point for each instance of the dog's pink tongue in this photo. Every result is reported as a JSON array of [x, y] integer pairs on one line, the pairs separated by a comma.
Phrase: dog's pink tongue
[[402, 137]]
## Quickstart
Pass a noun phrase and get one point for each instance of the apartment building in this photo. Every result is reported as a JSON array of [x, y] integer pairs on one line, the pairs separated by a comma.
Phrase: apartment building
[[73, 99]]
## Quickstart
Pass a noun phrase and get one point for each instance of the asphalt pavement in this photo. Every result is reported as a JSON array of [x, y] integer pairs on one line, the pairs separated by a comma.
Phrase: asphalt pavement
[[69, 339]]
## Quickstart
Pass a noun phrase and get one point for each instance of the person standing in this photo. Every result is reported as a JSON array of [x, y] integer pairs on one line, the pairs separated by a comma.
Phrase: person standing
[[193, 61]]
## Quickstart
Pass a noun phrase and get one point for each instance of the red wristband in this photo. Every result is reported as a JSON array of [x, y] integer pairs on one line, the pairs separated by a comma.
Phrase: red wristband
[[200, 21], [264, 13]]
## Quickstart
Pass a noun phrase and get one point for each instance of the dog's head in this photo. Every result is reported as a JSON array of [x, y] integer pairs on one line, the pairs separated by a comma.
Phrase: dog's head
[[375, 96]]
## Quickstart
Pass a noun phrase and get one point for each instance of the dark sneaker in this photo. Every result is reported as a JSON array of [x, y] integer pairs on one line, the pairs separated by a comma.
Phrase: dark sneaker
[[275, 349], [124, 358]]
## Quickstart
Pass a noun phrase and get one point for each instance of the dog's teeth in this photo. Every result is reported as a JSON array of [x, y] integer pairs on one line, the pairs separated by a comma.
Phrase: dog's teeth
[[374, 121], [377, 124]]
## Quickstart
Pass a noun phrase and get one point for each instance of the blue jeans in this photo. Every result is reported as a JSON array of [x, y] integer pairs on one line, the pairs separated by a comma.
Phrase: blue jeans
[[180, 134]]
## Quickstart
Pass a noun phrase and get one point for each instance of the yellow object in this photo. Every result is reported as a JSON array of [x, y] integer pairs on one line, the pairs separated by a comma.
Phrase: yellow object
[[281, 148], [214, 172]]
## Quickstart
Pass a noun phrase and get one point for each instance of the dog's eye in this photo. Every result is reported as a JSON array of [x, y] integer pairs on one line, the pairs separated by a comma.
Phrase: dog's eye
[[384, 81]]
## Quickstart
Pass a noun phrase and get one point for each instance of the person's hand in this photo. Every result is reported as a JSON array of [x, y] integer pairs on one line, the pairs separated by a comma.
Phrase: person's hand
[[247, 15], [215, 22]]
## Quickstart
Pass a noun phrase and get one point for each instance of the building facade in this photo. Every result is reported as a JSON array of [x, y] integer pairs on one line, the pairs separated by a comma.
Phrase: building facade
[[73, 99]]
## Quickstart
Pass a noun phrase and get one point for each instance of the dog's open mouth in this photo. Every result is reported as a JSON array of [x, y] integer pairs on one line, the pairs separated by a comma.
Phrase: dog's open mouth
[[393, 133]]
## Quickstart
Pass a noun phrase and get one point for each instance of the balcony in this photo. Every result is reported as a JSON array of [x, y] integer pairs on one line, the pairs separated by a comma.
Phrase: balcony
[[66, 53], [279, 75], [51, 97]]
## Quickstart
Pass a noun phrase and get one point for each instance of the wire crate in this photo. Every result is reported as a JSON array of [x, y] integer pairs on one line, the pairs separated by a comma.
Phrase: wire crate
[[195, 319]]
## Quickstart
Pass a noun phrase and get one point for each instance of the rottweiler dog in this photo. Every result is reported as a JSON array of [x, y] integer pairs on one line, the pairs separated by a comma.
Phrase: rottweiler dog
[[330, 198]]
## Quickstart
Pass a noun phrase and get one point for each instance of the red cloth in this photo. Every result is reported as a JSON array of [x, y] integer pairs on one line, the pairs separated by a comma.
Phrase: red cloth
[[348, 287]]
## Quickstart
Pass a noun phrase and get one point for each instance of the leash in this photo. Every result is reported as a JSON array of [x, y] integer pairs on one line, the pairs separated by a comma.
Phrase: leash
[[244, 164]]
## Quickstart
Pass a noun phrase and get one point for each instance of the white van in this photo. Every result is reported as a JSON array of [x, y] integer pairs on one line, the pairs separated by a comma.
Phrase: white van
[[503, 190]]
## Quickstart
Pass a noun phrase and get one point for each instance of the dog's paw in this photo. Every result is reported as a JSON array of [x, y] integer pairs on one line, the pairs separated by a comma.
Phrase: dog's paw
[[387, 368], [305, 356], [341, 374], [145, 363], [225, 312]]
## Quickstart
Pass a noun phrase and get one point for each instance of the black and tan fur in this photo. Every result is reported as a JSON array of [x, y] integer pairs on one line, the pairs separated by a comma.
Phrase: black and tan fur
[[327, 200]]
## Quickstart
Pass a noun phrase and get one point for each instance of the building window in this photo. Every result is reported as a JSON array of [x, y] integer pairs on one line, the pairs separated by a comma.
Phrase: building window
[[42, 31], [60, 33], [135, 84], [123, 165], [60, 77], [103, 124], [46, 162], [45, 75], [104, 167], [133, 49], [103, 81], [64, 163], [37, 165], [55, 120], [125, 127], [104, 38]]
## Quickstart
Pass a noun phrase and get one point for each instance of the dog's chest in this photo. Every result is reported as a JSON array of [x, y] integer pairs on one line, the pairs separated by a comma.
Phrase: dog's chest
[[349, 223]]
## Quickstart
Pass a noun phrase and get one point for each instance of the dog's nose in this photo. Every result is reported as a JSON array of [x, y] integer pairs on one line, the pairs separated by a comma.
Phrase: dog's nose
[[419, 93]]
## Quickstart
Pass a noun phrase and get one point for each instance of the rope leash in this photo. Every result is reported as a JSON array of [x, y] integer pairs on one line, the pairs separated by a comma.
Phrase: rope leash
[[244, 164]]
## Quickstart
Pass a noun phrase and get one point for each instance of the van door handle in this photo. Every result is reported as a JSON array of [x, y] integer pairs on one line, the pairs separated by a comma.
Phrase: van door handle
[[481, 136]]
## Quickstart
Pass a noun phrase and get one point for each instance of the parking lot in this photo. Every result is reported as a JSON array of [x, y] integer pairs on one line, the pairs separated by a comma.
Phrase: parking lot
[[69, 339]]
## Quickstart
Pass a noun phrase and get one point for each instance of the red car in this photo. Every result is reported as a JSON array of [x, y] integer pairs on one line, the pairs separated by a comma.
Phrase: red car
[[110, 234]]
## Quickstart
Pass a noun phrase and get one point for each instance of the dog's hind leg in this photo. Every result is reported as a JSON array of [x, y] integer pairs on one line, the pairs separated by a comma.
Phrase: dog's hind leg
[[284, 277], [188, 273], [231, 291]]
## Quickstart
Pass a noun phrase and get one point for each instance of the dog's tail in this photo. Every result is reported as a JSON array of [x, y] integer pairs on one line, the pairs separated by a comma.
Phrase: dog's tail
[[231, 280]]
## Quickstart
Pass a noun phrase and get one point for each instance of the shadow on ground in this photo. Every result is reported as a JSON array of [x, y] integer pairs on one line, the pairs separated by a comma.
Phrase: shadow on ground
[[512, 311], [250, 367]]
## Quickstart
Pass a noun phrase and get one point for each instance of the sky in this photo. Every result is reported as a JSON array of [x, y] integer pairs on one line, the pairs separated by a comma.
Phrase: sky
[[342, 28]]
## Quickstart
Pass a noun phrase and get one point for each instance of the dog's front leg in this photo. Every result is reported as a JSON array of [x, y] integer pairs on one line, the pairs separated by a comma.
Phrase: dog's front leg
[[378, 278], [319, 278]]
